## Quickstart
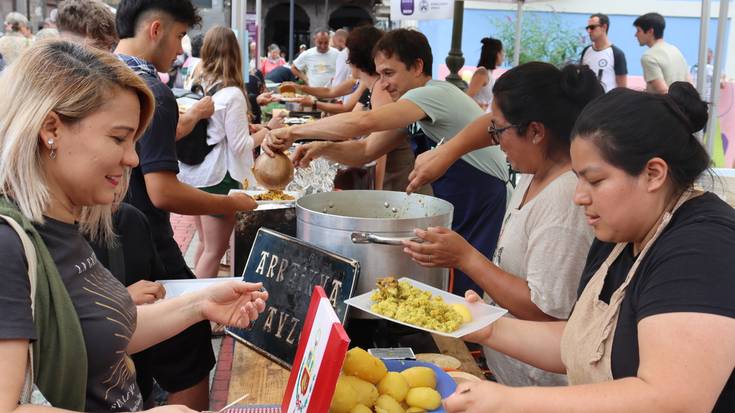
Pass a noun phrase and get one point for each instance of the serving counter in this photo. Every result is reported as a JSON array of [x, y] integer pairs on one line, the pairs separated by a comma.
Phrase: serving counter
[[265, 380]]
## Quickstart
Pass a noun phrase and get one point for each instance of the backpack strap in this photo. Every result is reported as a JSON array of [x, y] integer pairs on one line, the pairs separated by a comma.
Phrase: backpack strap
[[214, 89], [30, 251]]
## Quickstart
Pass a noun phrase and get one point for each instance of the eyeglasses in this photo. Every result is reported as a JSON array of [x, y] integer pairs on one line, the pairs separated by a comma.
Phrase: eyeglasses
[[495, 131], [592, 27]]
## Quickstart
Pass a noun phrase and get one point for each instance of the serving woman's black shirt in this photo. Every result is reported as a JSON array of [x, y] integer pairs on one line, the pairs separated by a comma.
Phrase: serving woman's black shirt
[[690, 268]]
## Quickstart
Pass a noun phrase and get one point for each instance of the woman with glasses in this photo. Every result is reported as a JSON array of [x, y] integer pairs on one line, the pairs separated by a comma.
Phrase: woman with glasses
[[653, 328], [533, 111]]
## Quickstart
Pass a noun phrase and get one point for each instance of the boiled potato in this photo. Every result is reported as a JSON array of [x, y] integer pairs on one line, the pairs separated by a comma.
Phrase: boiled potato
[[394, 385], [463, 311], [361, 408], [424, 397], [360, 363], [415, 410], [388, 404], [367, 394], [420, 377], [344, 399]]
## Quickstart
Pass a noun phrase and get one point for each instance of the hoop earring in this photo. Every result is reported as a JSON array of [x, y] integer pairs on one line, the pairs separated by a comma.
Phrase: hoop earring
[[52, 154]]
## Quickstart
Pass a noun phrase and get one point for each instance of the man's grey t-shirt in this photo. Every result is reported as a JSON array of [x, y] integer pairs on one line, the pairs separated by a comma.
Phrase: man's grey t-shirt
[[106, 311], [449, 110], [664, 61]]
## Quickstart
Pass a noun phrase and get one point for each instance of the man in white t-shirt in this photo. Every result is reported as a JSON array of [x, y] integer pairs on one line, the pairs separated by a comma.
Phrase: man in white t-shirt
[[316, 66], [343, 70], [339, 39], [709, 71], [663, 63], [604, 58]]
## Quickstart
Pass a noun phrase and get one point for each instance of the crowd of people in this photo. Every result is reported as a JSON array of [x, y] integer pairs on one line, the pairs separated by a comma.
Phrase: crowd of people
[[613, 266]]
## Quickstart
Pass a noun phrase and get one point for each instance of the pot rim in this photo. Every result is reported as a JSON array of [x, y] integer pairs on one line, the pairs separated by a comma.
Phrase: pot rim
[[377, 225]]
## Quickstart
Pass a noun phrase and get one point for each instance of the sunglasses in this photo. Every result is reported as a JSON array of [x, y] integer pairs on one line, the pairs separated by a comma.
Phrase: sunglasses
[[592, 27], [494, 131]]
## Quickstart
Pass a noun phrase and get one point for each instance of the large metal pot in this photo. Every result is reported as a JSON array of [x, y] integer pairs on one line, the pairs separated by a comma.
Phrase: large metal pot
[[369, 226]]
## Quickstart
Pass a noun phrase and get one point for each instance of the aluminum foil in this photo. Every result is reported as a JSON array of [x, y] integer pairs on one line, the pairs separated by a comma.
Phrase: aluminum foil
[[318, 177]]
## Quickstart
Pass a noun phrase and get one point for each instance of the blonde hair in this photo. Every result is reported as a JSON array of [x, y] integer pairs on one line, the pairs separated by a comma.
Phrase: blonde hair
[[221, 59], [72, 81]]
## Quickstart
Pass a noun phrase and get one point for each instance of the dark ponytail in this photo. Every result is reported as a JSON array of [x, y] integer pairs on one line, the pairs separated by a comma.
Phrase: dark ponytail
[[489, 53], [540, 92], [630, 128]]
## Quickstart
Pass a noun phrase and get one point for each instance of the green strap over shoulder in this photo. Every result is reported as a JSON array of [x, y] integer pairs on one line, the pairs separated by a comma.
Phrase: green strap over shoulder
[[59, 354]]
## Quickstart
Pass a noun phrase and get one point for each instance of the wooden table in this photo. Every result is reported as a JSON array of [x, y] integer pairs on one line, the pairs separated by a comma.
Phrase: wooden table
[[266, 381]]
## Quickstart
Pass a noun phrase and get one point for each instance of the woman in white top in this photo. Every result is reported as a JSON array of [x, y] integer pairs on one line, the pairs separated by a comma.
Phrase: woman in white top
[[229, 163], [481, 84], [532, 115]]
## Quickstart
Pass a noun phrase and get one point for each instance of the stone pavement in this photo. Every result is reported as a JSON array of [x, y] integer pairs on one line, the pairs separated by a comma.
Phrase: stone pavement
[[184, 230]]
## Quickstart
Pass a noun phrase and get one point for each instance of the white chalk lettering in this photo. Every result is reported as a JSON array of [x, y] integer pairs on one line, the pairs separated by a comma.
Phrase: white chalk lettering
[[272, 266], [263, 257], [268, 324], [292, 334], [281, 323], [336, 288], [281, 270]]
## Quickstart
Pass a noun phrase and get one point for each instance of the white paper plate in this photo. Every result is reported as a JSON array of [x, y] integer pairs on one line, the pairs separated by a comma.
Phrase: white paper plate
[[253, 192], [175, 288], [296, 121], [282, 98], [482, 314]]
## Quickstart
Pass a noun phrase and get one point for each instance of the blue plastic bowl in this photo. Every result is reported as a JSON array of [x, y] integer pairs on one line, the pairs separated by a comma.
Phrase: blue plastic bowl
[[445, 385]]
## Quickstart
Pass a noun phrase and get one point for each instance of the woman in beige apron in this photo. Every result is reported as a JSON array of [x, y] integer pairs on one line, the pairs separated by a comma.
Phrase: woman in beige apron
[[653, 329]]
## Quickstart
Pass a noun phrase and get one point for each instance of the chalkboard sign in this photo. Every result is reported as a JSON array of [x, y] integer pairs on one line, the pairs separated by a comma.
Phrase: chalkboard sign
[[289, 269]]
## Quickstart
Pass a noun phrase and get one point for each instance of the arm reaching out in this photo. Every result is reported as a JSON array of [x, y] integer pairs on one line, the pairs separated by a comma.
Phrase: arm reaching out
[[431, 165], [347, 125]]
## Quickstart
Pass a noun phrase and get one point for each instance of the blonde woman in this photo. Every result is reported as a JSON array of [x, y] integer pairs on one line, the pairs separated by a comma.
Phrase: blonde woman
[[65, 153], [231, 160]]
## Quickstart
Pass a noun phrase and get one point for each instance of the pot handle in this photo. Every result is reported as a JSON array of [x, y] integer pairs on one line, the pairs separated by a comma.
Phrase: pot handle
[[370, 238]]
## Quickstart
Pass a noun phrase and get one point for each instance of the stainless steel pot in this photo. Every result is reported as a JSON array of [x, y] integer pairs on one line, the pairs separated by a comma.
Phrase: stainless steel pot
[[369, 226]]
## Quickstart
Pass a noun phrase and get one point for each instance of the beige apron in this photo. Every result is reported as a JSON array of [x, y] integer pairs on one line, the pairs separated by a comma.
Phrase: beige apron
[[586, 344]]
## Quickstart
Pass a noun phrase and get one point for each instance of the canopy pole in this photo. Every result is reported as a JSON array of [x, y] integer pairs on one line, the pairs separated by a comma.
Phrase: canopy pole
[[517, 43], [703, 34], [290, 30], [237, 23], [455, 59], [717, 72], [259, 28], [326, 15]]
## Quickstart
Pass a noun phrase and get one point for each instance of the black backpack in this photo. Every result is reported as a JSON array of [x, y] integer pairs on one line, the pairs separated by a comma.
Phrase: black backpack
[[193, 148]]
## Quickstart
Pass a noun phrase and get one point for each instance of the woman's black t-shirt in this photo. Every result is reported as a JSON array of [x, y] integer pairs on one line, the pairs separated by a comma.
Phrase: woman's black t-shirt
[[106, 312], [690, 268]]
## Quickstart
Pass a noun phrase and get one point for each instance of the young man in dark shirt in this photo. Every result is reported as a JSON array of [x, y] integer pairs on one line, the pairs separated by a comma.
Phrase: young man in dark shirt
[[150, 34], [134, 262]]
